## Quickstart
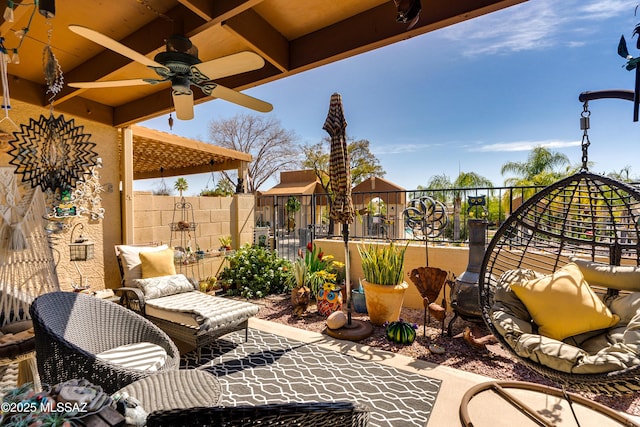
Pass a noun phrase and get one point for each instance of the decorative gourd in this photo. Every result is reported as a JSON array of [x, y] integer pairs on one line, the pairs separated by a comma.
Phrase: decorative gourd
[[401, 332]]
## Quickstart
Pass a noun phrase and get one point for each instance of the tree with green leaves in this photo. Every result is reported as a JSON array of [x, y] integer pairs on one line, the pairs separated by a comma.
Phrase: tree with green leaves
[[541, 168], [181, 185], [623, 174], [363, 163], [455, 190], [273, 148]]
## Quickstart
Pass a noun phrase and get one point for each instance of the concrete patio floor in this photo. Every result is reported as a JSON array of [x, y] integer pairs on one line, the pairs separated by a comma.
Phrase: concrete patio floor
[[485, 410]]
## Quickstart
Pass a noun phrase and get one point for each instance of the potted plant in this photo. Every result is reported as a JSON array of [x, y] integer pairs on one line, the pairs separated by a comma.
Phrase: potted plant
[[225, 242], [297, 282], [292, 206], [383, 267]]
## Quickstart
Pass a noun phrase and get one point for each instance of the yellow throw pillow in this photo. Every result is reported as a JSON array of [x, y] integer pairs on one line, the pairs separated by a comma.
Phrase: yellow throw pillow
[[563, 305], [157, 263]]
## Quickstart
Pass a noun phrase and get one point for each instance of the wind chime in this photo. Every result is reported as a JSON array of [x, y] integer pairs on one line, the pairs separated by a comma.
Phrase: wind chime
[[52, 153]]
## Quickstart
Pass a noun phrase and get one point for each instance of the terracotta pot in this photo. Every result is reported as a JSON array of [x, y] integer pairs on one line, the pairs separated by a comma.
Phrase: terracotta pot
[[384, 302]]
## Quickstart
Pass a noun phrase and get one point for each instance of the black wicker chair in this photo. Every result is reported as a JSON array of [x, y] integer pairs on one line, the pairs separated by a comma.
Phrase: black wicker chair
[[311, 414], [71, 328], [586, 216]]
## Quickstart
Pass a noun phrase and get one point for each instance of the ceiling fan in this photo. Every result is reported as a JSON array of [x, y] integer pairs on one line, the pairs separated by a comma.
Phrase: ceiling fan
[[180, 65]]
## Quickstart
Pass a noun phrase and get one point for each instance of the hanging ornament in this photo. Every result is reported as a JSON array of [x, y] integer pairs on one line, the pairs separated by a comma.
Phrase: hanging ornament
[[52, 71], [52, 153]]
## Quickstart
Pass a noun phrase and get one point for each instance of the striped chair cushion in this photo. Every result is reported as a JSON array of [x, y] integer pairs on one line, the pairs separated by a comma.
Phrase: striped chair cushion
[[143, 356]]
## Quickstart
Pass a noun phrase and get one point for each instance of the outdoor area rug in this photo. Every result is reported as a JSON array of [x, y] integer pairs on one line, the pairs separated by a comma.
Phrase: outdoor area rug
[[272, 369]]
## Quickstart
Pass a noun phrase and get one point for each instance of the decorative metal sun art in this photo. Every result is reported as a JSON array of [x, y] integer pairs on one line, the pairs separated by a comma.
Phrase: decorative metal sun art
[[52, 153]]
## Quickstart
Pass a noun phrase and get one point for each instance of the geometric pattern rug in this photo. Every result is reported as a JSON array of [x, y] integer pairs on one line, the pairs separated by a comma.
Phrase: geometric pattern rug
[[272, 369]]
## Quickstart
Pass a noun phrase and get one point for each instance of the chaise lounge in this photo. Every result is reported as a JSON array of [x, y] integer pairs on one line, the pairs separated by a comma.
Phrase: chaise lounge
[[152, 288]]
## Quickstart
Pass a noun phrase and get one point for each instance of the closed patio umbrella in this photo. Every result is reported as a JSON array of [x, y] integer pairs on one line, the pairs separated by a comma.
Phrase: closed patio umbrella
[[342, 209]]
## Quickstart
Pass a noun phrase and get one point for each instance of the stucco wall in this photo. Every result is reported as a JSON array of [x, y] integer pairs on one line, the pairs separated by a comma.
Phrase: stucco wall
[[448, 258], [105, 233]]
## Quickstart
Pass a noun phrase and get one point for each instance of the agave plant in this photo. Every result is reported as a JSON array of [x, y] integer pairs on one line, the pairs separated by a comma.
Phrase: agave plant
[[382, 264], [298, 276]]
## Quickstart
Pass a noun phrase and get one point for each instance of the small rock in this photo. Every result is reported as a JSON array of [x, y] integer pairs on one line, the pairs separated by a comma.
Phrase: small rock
[[336, 320]]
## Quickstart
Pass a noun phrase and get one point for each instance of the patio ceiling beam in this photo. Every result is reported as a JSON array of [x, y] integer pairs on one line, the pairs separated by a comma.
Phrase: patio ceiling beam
[[34, 94], [107, 62], [215, 12], [262, 37], [376, 27]]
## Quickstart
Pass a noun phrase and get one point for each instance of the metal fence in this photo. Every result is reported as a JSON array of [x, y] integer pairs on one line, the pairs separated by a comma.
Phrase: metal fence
[[289, 222]]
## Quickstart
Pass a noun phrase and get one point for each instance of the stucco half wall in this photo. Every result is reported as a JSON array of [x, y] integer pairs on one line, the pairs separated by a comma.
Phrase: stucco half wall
[[448, 258]]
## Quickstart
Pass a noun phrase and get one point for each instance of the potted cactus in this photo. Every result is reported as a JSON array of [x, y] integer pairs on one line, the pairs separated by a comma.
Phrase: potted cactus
[[383, 283]]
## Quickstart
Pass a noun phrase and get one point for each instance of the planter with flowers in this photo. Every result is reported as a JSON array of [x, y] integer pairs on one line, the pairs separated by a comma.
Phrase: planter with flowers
[[383, 267], [321, 271]]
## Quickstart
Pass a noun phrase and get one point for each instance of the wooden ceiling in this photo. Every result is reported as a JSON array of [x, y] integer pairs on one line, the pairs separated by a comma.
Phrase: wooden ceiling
[[291, 35]]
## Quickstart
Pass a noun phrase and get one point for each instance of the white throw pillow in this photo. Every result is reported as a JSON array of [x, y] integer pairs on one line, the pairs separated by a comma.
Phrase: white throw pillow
[[162, 286]]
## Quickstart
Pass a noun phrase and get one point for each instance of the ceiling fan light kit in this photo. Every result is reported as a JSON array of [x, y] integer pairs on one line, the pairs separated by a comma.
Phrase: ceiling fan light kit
[[179, 65]]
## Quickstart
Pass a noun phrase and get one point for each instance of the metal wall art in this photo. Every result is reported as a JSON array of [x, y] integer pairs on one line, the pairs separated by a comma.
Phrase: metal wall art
[[86, 196], [52, 153]]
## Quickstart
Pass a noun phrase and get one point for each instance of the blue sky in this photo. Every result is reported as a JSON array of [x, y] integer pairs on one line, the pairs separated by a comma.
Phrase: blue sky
[[468, 97]]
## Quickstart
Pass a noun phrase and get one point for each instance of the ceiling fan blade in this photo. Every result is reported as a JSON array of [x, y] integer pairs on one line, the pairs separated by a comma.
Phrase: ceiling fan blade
[[241, 99], [230, 65], [110, 83], [113, 45], [183, 103]]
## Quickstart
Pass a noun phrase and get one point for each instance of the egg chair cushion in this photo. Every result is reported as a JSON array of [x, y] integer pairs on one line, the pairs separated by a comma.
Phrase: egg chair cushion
[[592, 352], [621, 277], [562, 304]]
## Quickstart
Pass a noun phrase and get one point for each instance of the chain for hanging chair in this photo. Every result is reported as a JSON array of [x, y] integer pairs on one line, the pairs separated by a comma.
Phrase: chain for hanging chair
[[584, 125]]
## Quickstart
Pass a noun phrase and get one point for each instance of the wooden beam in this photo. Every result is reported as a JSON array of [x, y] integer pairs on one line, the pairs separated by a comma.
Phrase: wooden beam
[[376, 27], [190, 170], [215, 12], [261, 37], [126, 172]]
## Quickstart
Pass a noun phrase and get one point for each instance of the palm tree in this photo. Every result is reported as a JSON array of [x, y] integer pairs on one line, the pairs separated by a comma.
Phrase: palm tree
[[181, 185], [623, 175], [539, 169], [465, 180]]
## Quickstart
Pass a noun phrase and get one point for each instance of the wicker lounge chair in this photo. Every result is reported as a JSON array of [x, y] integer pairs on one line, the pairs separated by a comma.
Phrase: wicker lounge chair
[[72, 329], [299, 414], [185, 314]]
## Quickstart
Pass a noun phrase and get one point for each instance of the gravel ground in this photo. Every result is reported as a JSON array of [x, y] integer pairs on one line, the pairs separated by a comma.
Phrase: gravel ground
[[492, 362]]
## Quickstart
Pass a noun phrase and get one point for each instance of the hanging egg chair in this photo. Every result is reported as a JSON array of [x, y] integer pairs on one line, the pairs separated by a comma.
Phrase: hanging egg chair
[[560, 282]]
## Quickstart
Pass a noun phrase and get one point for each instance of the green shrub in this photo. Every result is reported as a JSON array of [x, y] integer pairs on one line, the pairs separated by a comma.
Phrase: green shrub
[[255, 272]]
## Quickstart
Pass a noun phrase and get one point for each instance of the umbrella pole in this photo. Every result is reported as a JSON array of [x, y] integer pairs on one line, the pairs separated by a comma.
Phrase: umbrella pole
[[347, 279]]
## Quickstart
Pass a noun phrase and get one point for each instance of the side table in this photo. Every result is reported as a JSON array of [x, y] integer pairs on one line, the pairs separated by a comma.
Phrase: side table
[[184, 388]]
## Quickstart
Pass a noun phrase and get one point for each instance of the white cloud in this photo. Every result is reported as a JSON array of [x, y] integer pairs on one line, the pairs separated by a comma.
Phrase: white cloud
[[523, 146], [534, 25], [398, 148]]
